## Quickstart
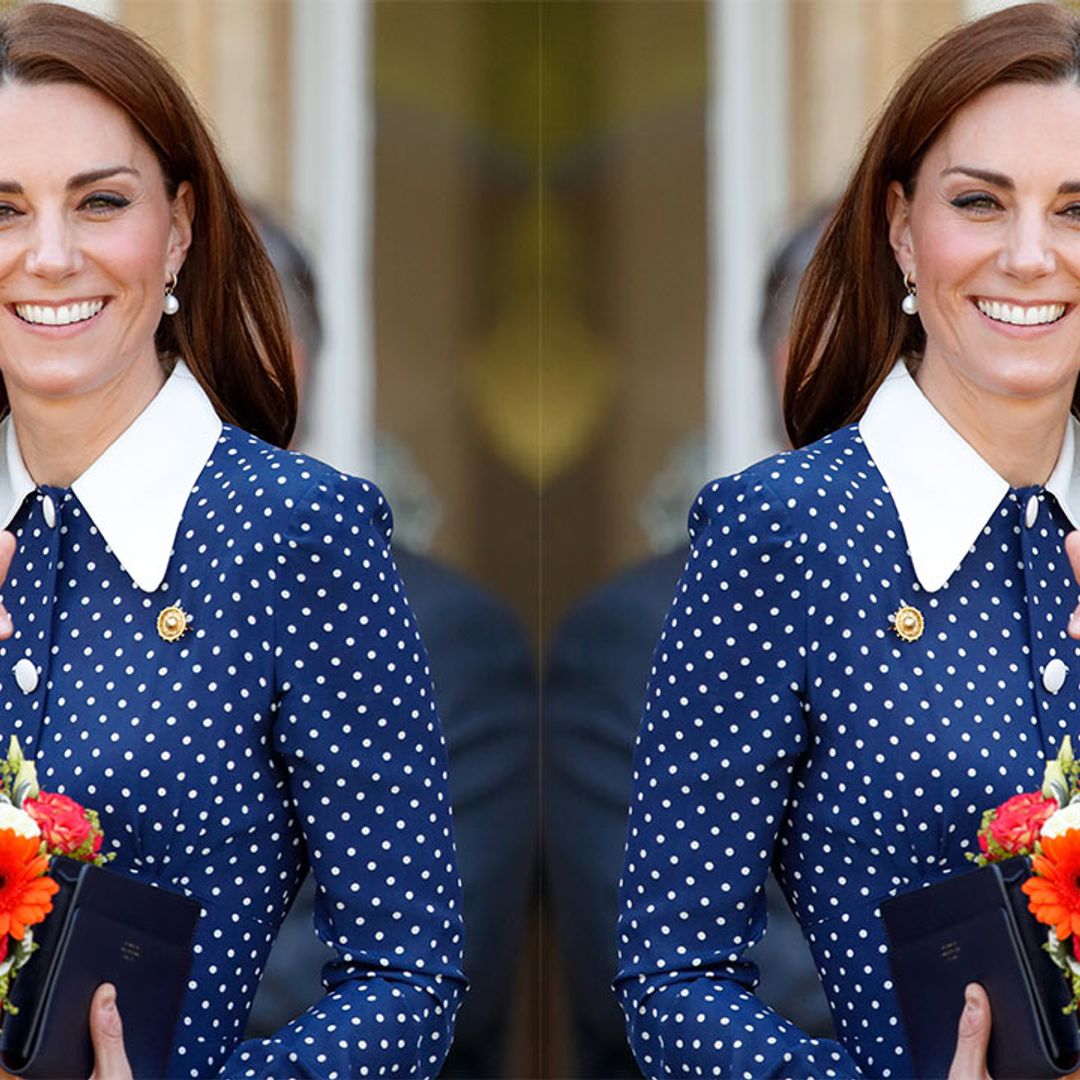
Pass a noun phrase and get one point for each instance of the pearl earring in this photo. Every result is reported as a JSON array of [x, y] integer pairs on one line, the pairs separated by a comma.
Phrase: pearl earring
[[171, 304], [910, 304]]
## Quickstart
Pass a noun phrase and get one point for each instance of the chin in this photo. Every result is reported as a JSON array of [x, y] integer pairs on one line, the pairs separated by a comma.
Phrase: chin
[[1032, 385], [56, 381]]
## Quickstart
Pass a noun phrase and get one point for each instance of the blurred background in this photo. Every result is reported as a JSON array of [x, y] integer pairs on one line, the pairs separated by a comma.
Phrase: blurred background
[[540, 230]]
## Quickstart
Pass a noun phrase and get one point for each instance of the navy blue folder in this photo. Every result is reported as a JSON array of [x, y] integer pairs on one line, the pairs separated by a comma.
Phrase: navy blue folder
[[104, 927], [976, 927]]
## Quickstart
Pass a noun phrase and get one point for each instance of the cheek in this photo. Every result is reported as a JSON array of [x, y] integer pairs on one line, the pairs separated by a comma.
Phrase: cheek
[[948, 258], [11, 257], [134, 256], [947, 263], [138, 268]]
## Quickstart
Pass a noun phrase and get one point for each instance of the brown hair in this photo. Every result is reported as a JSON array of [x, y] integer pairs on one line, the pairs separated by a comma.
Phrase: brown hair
[[848, 329], [231, 328]]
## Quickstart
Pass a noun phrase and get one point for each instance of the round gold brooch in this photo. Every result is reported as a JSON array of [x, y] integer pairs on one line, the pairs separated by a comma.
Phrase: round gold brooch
[[908, 623], [173, 623]]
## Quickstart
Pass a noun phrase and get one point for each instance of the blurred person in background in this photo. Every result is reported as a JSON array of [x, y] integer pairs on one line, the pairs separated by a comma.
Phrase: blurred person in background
[[485, 688], [594, 689]]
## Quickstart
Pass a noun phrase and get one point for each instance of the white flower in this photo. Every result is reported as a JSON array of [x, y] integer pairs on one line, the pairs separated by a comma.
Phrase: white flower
[[21, 951], [1061, 821], [25, 784], [19, 821], [1055, 785]]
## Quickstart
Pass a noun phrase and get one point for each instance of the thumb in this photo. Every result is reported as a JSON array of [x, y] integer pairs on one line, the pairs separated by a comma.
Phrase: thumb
[[1072, 549], [972, 1036], [7, 550], [107, 1035]]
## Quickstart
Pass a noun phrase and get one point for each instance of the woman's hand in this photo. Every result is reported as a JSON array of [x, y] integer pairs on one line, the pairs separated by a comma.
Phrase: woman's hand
[[973, 1032], [107, 1035], [1072, 549], [7, 550]]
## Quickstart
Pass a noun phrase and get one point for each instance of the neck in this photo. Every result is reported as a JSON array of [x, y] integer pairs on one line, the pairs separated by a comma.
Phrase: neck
[[60, 438], [1019, 438]]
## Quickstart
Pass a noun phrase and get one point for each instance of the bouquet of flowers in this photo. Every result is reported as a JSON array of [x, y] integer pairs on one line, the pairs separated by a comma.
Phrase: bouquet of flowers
[[35, 825], [1045, 825]]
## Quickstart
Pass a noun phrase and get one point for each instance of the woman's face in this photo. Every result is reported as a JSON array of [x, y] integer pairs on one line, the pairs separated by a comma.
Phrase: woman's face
[[991, 237], [88, 239]]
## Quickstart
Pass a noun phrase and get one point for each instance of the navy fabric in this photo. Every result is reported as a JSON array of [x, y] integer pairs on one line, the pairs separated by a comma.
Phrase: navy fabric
[[293, 724], [485, 686], [486, 689], [788, 724], [594, 690]]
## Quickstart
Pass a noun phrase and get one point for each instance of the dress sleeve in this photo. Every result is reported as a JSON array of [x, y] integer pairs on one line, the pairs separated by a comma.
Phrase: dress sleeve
[[722, 734], [357, 730]]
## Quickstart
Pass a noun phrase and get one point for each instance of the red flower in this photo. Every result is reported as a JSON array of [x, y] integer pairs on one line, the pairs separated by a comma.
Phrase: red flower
[[1017, 822], [1053, 891], [63, 822], [25, 892]]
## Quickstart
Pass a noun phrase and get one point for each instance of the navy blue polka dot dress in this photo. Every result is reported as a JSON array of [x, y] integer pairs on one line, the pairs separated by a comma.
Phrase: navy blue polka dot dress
[[790, 724], [291, 723]]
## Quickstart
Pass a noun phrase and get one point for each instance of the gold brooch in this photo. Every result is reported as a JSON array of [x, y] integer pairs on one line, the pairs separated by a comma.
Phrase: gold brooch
[[908, 623], [173, 622]]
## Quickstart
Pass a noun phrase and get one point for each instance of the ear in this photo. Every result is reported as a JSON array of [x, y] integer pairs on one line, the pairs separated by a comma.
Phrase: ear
[[183, 215], [897, 210]]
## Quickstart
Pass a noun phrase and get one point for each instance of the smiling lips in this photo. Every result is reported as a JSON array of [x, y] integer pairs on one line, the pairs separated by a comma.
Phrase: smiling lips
[[63, 315], [1019, 315], [1013, 314]]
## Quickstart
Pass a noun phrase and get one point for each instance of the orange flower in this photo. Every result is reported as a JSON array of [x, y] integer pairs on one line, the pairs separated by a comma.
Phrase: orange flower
[[25, 893], [1054, 891]]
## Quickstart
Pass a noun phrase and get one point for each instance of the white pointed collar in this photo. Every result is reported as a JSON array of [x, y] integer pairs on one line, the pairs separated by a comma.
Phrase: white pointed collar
[[944, 492], [135, 493]]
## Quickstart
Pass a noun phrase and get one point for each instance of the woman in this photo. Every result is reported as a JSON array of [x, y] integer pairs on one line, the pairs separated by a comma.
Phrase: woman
[[869, 645], [209, 641]]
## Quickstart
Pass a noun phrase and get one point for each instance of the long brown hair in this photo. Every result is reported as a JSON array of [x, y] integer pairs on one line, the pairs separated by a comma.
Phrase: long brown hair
[[231, 328], [848, 329]]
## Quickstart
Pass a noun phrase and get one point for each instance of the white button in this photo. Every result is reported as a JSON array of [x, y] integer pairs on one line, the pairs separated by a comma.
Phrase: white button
[[1054, 675], [1031, 512], [26, 675], [48, 508]]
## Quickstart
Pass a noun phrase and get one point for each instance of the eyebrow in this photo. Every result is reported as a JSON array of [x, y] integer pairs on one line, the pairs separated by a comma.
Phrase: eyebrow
[[1067, 187], [13, 187]]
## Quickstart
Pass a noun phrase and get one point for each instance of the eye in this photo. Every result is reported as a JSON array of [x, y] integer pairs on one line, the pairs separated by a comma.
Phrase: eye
[[1072, 212], [104, 202], [978, 202], [7, 212]]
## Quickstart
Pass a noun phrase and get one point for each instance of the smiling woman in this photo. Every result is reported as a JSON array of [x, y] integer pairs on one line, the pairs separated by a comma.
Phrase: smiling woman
[[870, 641], [208, 640], [988, 233], [89, 236]]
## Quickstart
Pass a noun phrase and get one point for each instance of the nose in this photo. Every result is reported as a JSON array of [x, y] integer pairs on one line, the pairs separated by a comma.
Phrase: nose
[[52, 251], [1028, 252]]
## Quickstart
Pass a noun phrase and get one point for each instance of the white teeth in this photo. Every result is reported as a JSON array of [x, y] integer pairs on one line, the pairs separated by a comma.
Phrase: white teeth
[[64, 315], [1016, 315]]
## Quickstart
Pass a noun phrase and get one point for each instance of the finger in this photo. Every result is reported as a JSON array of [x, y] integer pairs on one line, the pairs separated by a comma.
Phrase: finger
[[107, 1035], [7, 550], [1072, 549], [972, 1036]]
